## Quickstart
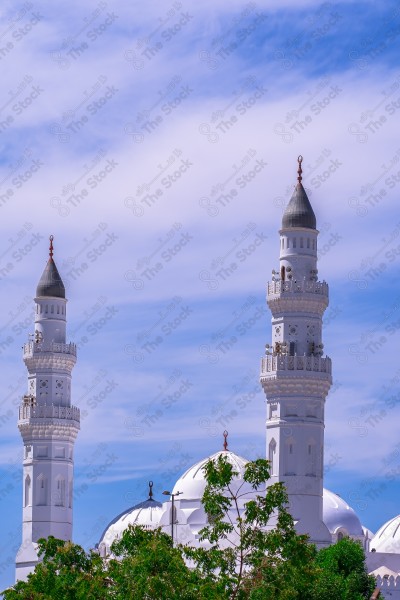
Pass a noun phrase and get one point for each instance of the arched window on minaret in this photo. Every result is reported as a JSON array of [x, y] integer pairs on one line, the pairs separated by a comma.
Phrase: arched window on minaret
[[272, 456], [283, 273], [41, 490], [290, 457], [27, 496], [311, 459], [59, 498]]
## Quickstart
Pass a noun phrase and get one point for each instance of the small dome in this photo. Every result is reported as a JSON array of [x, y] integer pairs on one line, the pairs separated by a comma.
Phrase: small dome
[[387, 538], [299, 212], [192, 483], [147, 514], [338, 516], [50, 283]]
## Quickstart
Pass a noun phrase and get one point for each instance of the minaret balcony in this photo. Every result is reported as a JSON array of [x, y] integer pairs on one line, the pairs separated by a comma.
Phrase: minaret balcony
[[271, 364], [32, 348], [276, 289], [71, 413]]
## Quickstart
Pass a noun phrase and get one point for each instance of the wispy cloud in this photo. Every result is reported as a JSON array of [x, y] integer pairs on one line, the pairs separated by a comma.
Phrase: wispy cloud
[[159, 145]]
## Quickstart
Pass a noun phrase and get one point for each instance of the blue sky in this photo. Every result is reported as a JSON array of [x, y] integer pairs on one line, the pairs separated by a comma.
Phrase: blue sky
[[155, 141]]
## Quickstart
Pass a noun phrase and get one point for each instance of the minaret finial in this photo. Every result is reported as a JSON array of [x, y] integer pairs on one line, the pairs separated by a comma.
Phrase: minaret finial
[[225, 440], [150, 490], [51, 238], [299, 170]]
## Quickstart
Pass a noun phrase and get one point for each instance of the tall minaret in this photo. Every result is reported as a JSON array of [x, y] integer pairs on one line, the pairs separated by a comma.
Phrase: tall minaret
[[295, 374], [48, 423]]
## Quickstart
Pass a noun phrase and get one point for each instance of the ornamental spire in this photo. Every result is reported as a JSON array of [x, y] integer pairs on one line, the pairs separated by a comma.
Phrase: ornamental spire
[[50, 283], [150, 490], [299, 170], [299, 212], [225, 434]]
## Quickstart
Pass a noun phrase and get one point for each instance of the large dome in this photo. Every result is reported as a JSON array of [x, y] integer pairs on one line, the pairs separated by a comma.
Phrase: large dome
[[387, 538], [339, 517], [192, 483]]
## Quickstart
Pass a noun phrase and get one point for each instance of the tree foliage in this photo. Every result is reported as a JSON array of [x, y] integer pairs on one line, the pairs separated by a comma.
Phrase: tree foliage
[[342, 566], [242, 558], [250, 559], [66, 572]]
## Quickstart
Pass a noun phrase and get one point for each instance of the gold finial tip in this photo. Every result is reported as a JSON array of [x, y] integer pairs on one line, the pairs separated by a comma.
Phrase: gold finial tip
[[51, 238]]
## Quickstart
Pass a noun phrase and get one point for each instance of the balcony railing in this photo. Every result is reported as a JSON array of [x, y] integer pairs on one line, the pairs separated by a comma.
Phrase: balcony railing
[[31, 348], [269, 364], [277, 288], [49, 412]]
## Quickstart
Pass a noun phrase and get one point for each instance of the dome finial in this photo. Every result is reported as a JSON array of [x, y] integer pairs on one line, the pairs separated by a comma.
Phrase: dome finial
[[299, 170], [51, 238], [225, 434], [150, 490]]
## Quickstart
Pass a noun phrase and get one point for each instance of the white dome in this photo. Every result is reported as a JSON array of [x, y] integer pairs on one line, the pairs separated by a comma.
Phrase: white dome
[[387, 538], [339, 517], [192, 483], [146, 513]]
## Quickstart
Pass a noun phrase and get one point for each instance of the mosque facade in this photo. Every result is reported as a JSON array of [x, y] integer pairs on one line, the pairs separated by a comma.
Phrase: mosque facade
[[296, 375]]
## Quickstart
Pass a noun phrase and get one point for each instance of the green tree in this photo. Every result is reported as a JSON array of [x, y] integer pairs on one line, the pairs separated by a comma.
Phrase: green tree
[[242, 558], [342, 565], [256, 563], [247, 559], [147, 566], [66, 572]]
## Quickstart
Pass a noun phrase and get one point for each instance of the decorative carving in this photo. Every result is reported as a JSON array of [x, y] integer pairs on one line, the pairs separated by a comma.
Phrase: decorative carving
[[311, 331]]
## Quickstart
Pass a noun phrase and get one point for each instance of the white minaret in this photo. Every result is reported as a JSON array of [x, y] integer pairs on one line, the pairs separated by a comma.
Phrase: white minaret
[[295, 374], [48, 423]]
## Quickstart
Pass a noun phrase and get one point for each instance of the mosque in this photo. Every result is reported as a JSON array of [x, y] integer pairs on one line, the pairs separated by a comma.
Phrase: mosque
[[295, 375]]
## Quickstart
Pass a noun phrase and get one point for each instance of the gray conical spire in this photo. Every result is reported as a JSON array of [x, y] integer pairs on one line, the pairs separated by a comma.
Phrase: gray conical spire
[[299, 212], [50, 283]]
